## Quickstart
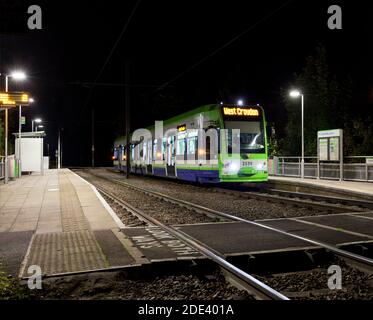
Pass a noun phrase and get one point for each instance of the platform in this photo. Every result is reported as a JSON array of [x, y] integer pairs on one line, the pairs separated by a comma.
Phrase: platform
[[59, 222], [353, 189]]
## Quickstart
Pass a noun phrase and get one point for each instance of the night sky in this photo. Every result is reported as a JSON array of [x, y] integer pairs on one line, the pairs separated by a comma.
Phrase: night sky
[[163, 40]]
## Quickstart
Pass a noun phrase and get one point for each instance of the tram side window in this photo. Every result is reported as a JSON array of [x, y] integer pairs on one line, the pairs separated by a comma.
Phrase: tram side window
[[155, 146], [164, 144], [208, 148], [149, 152], [132, 152], [230, 132], [192, 146], [143, 151], [180, 150], [123, 153]]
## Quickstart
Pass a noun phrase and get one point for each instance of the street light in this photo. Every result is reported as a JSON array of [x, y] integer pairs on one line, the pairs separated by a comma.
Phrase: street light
[[296, 94], [16, 75], [37, 120], [41, 126], [240, 102]]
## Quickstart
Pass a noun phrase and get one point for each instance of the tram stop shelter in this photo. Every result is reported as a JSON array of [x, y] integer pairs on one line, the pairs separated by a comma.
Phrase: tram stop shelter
[[29, 149]]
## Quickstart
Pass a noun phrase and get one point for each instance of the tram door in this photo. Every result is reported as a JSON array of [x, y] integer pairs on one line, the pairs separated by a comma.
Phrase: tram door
[[171, 153]]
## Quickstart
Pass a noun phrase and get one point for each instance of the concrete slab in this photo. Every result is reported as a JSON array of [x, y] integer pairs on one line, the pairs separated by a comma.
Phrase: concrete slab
[[333, 237], [158, 245], [11, 256], [113, 248], [352, 223], [241, 238]]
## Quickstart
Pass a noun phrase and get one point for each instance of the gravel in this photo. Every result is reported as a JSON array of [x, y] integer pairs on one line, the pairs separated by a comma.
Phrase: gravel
[[127, 218], [313, 284], [166, 212], [115, 285], [251, 209]]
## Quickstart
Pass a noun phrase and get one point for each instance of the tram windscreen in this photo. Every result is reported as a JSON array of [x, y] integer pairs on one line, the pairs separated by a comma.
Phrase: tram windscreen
[[251, 135]]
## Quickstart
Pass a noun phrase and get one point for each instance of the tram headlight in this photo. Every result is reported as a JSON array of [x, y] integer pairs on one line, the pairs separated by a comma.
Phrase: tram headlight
[[231, 167], [261, 166]]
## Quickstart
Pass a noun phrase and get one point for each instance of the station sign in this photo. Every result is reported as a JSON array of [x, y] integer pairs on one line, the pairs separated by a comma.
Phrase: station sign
[[329, 133], [13, 99]]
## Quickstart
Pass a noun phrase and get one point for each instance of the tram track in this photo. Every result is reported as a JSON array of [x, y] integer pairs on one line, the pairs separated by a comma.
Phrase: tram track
[[296, 199], [244, 280], [351, 258], [362, 204], [357, 259], [330, 204]]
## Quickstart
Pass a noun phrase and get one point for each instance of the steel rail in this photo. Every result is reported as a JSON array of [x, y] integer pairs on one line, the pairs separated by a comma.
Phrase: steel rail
[[331, 199], [253, 285], [305, 202]]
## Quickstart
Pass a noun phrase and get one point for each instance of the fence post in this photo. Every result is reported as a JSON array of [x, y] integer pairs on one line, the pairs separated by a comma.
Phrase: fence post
[[275, 165], [283, 166], [366, 172]]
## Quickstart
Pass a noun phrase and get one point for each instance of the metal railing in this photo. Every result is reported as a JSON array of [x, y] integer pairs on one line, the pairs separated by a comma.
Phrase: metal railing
[[11, 167], [2, 167], [355, 168]]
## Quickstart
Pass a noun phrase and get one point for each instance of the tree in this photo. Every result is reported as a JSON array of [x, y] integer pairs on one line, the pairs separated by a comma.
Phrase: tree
[[326, 104]]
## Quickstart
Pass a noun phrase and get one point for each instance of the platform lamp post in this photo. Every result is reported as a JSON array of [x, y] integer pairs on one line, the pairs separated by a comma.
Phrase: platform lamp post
[[37, 120], [19, 76], [296, 94], [31, 100]]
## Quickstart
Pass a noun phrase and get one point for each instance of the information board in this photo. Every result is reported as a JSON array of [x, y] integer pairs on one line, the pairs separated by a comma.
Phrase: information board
[[13, 99], [330, 148], [334, 149], [323, 149], [329, 145]]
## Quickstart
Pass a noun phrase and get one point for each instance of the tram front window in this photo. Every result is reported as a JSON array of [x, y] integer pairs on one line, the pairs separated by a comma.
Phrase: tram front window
[[251, 136]]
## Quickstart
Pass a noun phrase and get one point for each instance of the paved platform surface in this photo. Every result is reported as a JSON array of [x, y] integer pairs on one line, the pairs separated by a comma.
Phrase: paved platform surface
[[363, 188], [59, 222]]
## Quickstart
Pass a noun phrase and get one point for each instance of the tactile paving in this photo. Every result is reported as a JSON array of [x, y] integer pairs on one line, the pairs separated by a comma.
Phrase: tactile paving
[[65, 252], [72, 215]]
